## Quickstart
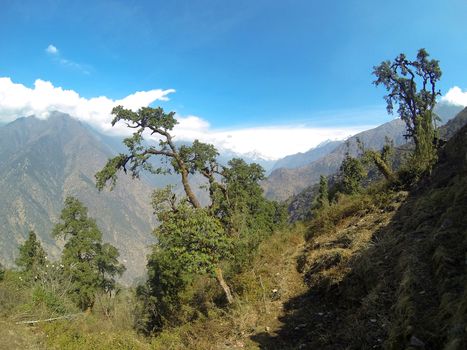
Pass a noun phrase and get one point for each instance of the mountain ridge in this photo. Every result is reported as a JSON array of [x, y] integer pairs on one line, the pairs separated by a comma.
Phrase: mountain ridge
[[43, 161], [283, 183]]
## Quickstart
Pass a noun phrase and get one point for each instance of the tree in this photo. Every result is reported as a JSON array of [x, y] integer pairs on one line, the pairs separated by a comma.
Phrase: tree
[[246, 215], [412, 86], [108, 266], [2, 272], [158, 123], [234, 191], [191, 242], [240, 197], [381, 159], [352, 173], [90, 265], [323, 193], [31, 255]]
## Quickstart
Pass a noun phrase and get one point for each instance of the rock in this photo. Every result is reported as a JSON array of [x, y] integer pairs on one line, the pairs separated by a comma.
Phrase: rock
[[302, 325], [414, 341]]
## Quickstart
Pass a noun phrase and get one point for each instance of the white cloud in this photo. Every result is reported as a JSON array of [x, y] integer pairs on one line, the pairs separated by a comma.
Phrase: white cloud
[[57, 57], [272, 142], [456, 96], [17, 100], [51, 50]]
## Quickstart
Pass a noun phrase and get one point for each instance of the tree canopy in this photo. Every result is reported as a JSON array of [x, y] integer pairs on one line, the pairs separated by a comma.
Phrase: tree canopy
[[192, 240], [411, 85], [90, 265], [352, 173], [31, 254]]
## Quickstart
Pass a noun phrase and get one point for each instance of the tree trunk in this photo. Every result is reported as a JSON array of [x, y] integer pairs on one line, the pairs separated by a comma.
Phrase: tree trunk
[[224, 285], [186, 186], [183, 172], [383, 167]]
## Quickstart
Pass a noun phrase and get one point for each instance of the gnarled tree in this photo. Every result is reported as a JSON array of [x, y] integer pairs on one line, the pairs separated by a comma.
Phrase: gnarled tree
[[157, 123], [185, 160], [411, 85], [236, 213]]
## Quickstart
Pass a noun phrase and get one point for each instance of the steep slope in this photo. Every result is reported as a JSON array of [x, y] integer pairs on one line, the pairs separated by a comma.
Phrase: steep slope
[[453, 125], [42, 162], [446, 111], [283, 183], [301, 159], [299, 204], [388, 268]]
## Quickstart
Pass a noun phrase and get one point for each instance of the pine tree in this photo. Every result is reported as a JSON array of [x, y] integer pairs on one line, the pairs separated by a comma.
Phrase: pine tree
[[32, 256], [90, 265], [323, 194], [352, 173]]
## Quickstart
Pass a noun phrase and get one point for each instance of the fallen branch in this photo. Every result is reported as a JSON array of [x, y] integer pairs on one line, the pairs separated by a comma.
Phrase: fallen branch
[[49, 319]]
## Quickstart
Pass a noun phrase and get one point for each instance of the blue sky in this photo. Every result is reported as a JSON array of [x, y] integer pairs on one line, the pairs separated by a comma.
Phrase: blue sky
[[234, 64]]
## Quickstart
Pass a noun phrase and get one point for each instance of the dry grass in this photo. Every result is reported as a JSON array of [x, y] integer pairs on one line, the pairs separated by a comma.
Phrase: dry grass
[[262, 290]]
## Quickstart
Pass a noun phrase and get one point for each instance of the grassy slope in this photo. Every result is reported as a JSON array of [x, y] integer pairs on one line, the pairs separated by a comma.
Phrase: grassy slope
[[391, 273], [271, 280], [377, 270]]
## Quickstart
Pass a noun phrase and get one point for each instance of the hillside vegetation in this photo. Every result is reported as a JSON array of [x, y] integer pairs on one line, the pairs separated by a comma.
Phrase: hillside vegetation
[[44, 161], [379, 262], [381, 269]]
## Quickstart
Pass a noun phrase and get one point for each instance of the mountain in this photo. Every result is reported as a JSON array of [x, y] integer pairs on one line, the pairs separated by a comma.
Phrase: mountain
[[283, 183], [452, 126], [299, 204], [301, 159], [252, 157], [447, 111], [42, 162]]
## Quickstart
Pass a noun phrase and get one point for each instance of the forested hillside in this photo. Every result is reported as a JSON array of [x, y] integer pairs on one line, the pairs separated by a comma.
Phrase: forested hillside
[[283, 183], [44, 161]]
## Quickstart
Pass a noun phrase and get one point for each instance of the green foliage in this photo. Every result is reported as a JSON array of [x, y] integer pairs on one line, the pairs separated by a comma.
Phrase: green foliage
[[412, 86], [193, 237], [90, 265], [240, 205], [352, 172], [32, 256], [2, 272], [381, 159], [199, 157], [47, 298], [323, 194], [191, 242], [157, 122]]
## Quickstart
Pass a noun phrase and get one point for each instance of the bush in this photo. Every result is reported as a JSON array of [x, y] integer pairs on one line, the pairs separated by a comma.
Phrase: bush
[[377, 196], [2, 272]]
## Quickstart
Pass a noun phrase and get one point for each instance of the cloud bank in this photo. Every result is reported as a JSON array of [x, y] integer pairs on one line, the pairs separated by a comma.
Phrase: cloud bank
[[17, 100], [456, 96]]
